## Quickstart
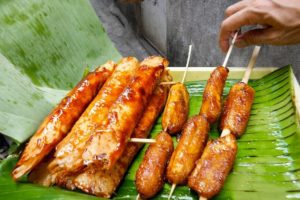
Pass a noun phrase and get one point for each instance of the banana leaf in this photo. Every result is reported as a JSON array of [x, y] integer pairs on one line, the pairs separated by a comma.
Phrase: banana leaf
[[44, 48], [267, 164]]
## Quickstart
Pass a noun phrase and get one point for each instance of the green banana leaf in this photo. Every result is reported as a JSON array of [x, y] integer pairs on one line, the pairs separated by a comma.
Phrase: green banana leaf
[[267, 164], [44, 48]]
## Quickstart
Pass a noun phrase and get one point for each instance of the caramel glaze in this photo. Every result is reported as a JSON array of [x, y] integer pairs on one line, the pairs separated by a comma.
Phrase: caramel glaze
[[103, 183], [59, 122], [176, 110], [150, 174], [237, 107], [69, 151], [213, 167], [108, 142], [188, 150], [212, 95]]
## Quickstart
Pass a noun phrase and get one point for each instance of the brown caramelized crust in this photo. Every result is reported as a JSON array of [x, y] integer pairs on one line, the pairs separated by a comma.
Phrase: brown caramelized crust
[[108, 142], [176, 110], [236, 111], [189, 149], [213, 167], [69, 151], [150, 174], [103, 183], [59, 122], [212, 95]]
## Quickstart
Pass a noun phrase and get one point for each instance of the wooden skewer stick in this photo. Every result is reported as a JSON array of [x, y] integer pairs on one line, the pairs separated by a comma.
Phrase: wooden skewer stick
[[138, 197], [251, 64], [168, 83], [245, 80], [187, 63], [246, 76], [146, 140], [230, 49], [171, 191], [202, 198], [142, 140], [182, 81]]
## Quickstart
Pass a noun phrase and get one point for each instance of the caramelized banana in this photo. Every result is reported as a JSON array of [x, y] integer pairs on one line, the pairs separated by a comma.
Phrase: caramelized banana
[[236, 111], [212, 95], [176, 110], [212, 168], [150, 174], [189, 149]]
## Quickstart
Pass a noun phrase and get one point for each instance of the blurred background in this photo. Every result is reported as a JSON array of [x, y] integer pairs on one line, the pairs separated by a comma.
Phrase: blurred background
[[167, 27]]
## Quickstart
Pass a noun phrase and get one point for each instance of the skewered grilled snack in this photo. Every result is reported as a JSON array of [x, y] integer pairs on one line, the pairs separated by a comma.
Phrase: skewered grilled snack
[[150, 174], [58, 123], [212, 95], [189, 149], [108, 142], [176, 110], [237, 109], [213, 167], [103, 183], [69, 151]]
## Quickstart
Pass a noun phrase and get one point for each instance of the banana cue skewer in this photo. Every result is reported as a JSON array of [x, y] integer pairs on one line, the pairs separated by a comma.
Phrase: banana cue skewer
[[177, 102], [59, 122], [104, 182], [150, 174], [218, 157], [195, 133]]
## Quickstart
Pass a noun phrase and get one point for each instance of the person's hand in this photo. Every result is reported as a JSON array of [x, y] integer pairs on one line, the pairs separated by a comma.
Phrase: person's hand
[[280, 19]]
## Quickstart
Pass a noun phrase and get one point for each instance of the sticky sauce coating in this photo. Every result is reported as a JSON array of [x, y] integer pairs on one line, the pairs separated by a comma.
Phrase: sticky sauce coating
[[189, 149], [211, 170], [109, 140], [212, 95], [69, 151], [237, 108], [150, 174], [176, 110], [103, 183], [59, 122]]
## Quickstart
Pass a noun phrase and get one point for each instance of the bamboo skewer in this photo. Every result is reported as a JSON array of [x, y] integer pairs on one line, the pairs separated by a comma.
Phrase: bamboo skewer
[[246, 76], [245, 80], [230, 49], [183, 78], [147, 140], [153, 140]]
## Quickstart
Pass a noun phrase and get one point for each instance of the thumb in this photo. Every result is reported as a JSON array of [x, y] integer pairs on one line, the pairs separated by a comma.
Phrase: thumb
[[255, 37]]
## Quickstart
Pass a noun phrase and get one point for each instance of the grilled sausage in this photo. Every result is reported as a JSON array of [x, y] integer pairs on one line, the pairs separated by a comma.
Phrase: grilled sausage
[[108, 142], [69, 151], [236, 111], [176, 110], [212, 95], [150, 174], [103, 183], [189, 149], [58, 123], [211, 170]]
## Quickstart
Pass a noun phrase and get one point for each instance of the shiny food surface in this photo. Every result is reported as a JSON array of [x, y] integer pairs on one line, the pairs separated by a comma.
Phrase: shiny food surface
[[103, 183], [188, 150], [151, 172], [60, 121], [69, 151], [212, 95], [213, 167], [176, 110], [108, 142], [237, 108]]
